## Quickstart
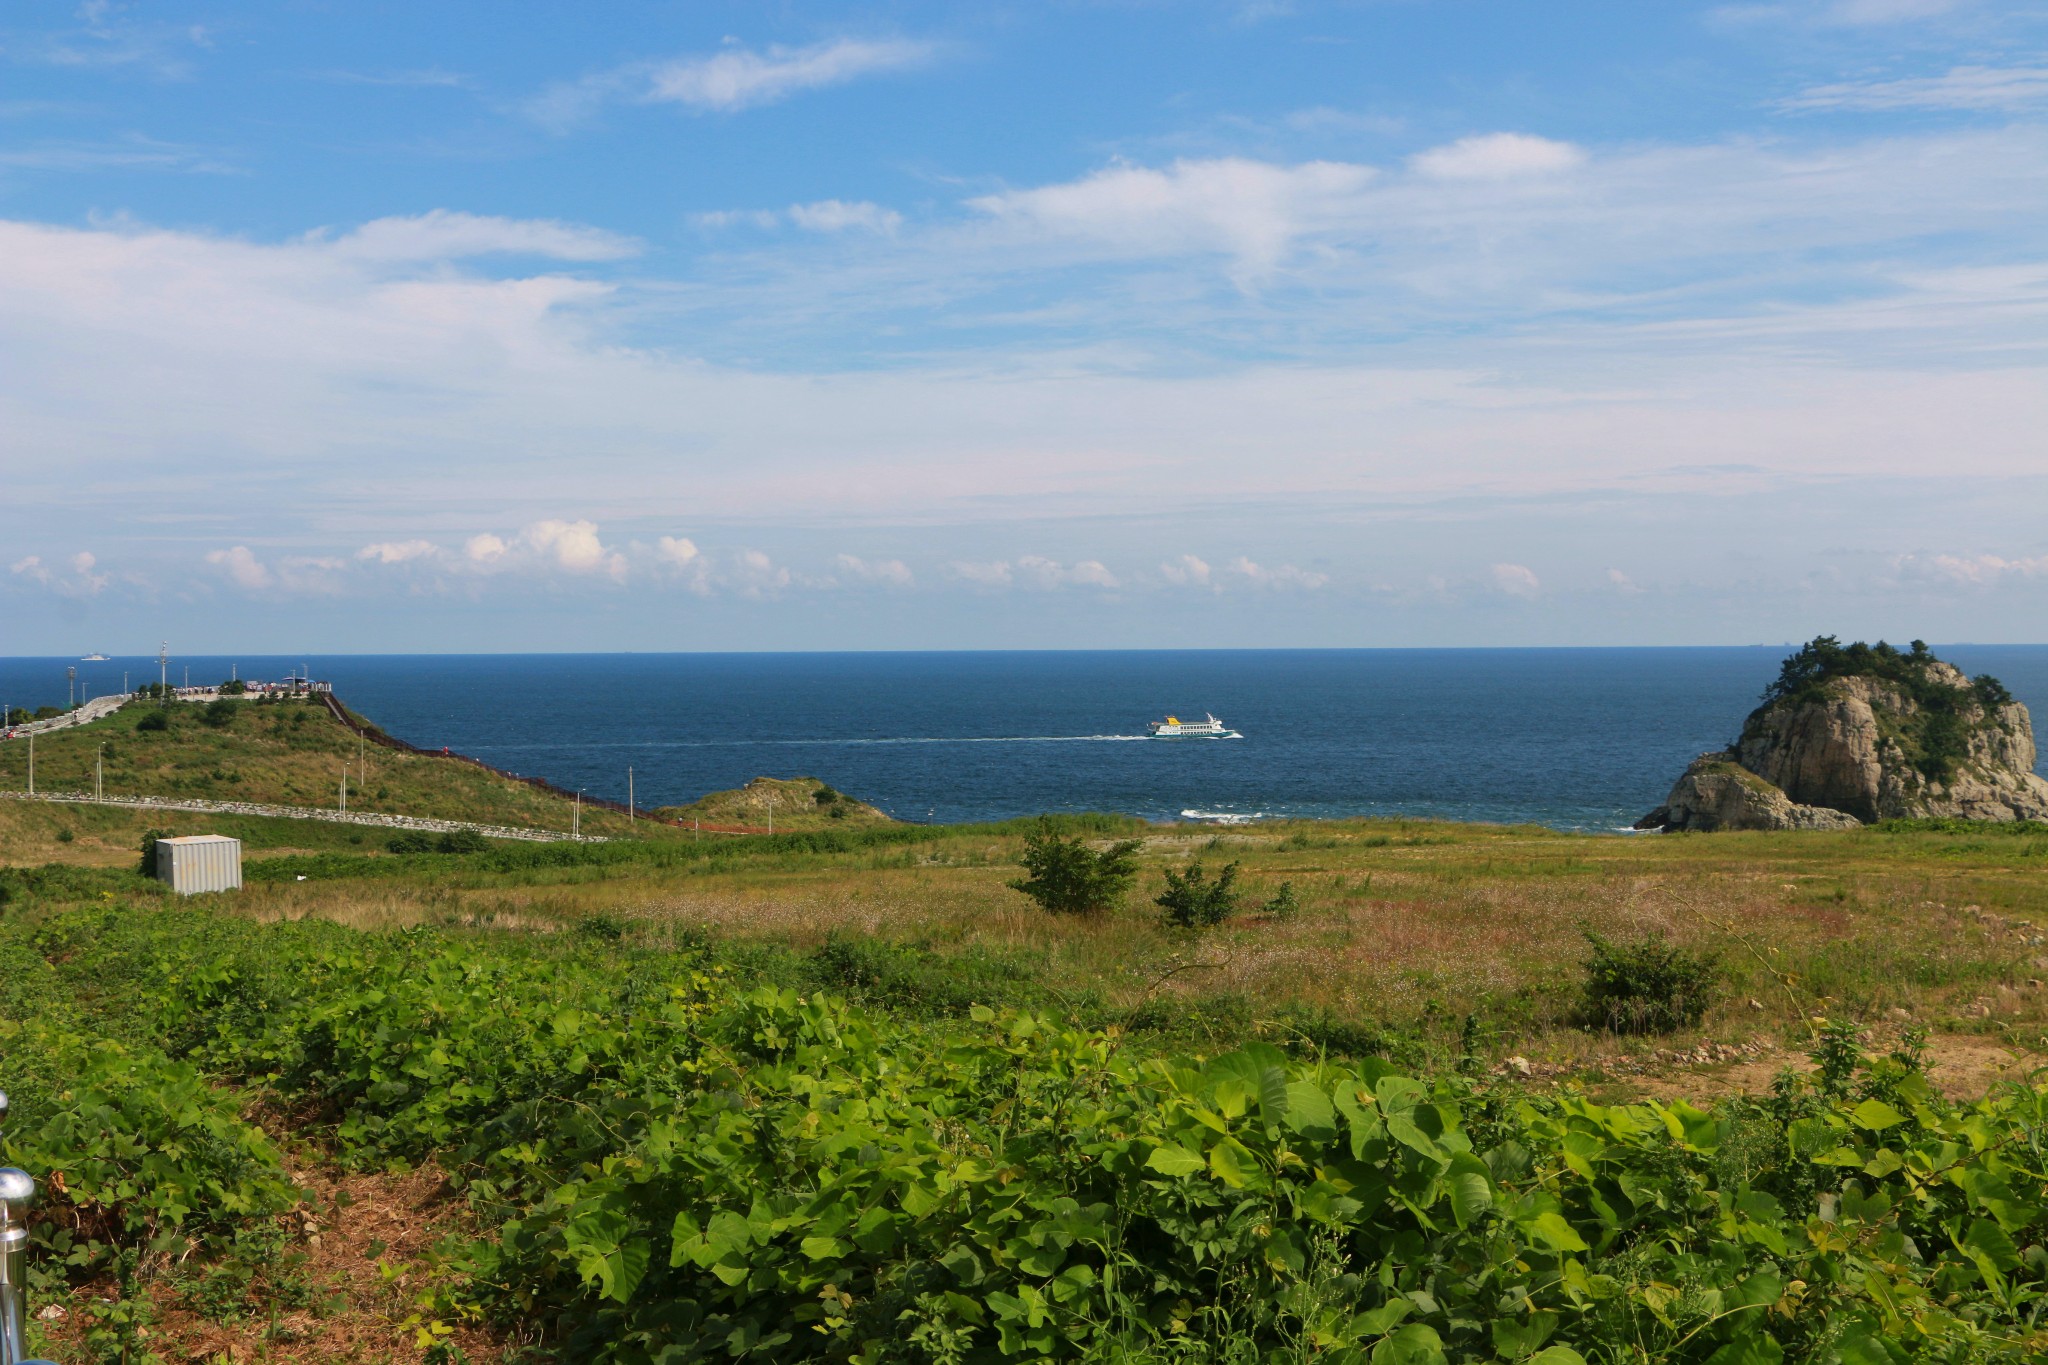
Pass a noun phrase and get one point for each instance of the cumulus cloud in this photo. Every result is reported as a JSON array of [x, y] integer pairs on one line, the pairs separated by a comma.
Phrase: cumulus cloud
[[573, 545], [1516, 580], [891, 572], [1250, 210], [1187, 571], [1033, 571], [752, 573], [399, 551], [241, 567], [1497, 156], [677, 551], [1622, 583], [484, 549], [81, 580], [1962, 87]]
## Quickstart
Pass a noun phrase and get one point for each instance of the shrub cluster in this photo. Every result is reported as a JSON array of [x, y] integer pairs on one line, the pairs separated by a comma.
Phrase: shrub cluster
[[1068, 877], [454, 841], [1650, 986]]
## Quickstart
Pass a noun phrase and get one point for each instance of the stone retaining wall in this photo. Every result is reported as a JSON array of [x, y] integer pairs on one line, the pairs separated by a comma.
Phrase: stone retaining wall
[[419, 822]]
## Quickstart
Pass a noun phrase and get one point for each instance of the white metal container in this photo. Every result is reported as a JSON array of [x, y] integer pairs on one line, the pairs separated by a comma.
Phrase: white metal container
[[193, 863]]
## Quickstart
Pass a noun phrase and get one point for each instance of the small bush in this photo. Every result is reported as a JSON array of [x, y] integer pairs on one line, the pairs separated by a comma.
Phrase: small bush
[[462, 841], [1190, 902], [410, 841], [1282, 904], [1070, 878], [825, 796], [1649, 986], [220, 713], [600, 928], [155, 720], [149, 843], [65, 836]]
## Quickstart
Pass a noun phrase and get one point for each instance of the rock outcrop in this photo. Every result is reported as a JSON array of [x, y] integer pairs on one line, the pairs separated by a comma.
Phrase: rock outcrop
[[1719, 793], [1859, 734]]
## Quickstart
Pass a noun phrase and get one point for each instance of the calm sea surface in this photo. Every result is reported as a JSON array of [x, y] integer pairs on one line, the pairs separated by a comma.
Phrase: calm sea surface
[[1576, 738]]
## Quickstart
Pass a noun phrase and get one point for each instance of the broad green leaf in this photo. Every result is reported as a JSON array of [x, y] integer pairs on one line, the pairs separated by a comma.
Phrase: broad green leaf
[[1470, 1189], [1234, 1165], [1517, 1337], [1557, 1355], [1875, 1116], [1378, 1321], [1309, 1110], [1169, 1159], [1412, 1344], [1550, 1229], [822, 1248], [1990, 1246]]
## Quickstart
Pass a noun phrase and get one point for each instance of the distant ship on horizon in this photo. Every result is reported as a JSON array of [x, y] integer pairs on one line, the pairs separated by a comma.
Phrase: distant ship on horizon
[[94, 659], [1173, 727]]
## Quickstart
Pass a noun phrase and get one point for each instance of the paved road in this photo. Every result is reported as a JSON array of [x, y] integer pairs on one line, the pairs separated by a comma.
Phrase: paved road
[[84, 715], [420, 822]]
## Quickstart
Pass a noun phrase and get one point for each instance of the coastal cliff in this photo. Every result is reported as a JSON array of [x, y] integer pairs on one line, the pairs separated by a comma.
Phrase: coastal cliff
[[1854, 734]]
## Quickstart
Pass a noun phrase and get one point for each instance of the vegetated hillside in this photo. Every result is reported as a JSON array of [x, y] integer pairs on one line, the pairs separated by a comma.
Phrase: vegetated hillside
[[661, 1161], [286, 753], [794, 803]]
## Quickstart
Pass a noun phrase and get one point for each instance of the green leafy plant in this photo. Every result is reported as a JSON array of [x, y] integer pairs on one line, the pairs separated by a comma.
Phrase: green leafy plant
[[220, 713], [1067, 877], [1649, 986], [1192, 902], [154, 720]]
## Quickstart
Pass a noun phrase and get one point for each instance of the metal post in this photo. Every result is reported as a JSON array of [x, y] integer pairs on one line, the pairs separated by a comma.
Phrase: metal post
[[99, 775], [71, 688], [344, 787], [17, 1188], [629, 794], [31, 763]]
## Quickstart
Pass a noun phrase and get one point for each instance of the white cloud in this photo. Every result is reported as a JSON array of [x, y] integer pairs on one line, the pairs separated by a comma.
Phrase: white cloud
[[399, 551], [573, 545], [81, 581], [741, 79], [677, 551], [892, 572], [1048, 573], [1187, 571], [484, 549], [1887, 11], [1280, 576], [444, 236], [1497, 156], [1250, 210], [992, 574], [1980, 570], [753, 574], [837, 215], [1962, 87], [241, 567], [1516, 580], [1622, 583]]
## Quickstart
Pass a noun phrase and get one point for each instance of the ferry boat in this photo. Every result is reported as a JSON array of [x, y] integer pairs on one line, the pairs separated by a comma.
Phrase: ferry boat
[[1173, 727], [93, 659]]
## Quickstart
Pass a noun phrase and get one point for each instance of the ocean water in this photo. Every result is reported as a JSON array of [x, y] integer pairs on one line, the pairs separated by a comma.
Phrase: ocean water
[[1573, 738]]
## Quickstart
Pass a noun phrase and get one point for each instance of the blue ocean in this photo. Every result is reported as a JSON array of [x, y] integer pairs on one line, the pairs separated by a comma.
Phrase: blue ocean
[[1572, 738]]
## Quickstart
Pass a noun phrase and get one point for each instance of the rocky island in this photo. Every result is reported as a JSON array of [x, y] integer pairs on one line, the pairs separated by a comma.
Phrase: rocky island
[[1852, 734]]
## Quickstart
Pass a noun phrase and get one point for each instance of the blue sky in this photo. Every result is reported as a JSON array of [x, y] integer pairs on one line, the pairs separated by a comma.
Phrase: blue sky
[[522, 326]]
